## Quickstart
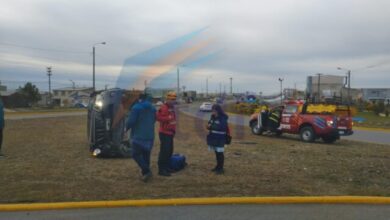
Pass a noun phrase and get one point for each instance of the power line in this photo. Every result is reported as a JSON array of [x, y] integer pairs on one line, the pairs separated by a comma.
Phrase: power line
[[43, 49]]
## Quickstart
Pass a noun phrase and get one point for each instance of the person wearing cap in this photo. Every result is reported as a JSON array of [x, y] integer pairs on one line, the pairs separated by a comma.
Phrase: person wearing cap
[[167, 118], [141, 122]]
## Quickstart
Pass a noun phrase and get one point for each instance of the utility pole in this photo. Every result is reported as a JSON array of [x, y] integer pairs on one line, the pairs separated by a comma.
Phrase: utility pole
[[281, 90], [349, 87], [220, 89], [207, 87], [178, 83], [49, 74], [231, 86], [93, 64], [318, 87], [93, 67]]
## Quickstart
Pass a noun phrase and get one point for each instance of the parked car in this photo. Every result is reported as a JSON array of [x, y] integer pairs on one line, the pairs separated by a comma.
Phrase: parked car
[[80, 105], [206, 107]]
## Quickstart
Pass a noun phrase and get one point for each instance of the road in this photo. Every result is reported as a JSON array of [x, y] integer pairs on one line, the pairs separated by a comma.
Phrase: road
[[380, 137], [42, 115], [216, 212]]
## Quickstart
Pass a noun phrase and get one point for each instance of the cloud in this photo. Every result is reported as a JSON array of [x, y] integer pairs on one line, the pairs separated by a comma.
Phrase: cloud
[[262, 40]]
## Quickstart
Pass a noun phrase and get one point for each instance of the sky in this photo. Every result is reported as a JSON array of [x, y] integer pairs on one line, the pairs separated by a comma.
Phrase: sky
[[252, 42]]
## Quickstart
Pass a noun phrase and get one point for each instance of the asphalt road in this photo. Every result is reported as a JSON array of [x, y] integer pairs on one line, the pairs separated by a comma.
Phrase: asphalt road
[[380, 137], [221, 212], [43, 115]]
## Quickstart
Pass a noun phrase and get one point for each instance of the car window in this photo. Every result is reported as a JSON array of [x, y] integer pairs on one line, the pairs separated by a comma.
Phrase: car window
[[291, 109]]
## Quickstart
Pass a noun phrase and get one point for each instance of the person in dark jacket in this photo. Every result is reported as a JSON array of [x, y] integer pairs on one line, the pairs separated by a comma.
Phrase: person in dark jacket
[[167, 118], [141, 122], [1, 126], [216, 139]]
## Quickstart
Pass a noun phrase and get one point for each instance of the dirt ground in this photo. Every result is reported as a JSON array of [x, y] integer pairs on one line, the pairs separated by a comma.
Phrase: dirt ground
[[48, 160]]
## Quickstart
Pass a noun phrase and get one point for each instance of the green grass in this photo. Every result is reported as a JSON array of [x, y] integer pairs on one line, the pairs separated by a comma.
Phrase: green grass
[[373, 121]]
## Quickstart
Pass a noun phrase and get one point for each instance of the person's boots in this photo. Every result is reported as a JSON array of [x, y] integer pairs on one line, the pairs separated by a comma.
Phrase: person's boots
[[216, 167], [164, 173], [220, 162]]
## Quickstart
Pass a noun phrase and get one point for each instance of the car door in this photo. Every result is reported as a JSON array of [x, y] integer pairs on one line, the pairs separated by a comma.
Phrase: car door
[[289, 118]]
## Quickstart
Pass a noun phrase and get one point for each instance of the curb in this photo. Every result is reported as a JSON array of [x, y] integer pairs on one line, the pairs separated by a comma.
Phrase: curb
[[197, 201]]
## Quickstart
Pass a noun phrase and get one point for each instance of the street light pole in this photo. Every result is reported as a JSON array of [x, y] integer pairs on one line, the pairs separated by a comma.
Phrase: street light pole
[[231, 86], [349, 84], [178, 83], [93, 64], [318, 87], [207, 86], [281, 90]]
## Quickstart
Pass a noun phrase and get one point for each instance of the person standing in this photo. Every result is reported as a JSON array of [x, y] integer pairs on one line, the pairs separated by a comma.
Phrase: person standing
[[1, 126], [167, 118], [141, 122], [216, 139]]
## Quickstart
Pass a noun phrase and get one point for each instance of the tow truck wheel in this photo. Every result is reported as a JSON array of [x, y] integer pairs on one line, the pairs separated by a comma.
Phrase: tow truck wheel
[[255, 129], [329, 139], [307, 134]]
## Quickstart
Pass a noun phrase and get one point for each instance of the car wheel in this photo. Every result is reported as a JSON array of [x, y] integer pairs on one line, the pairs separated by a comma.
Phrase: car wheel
[[307, 134], [255, 129]]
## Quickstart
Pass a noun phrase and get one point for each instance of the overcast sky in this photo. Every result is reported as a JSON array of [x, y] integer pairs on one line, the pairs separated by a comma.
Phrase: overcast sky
[[254, 42]]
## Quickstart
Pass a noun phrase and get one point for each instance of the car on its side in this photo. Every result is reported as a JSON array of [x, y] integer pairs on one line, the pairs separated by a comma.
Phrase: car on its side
[[206, 107]]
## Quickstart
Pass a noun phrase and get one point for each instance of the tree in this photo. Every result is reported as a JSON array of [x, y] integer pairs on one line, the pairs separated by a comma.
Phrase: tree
[[379, 107], [31, 93]]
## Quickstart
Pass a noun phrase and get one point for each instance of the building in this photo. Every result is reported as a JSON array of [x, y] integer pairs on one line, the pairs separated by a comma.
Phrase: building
[[159, 93], [44, 101], [3, 88], [71, 96], [376, 94], [325, 87], [289, 93]]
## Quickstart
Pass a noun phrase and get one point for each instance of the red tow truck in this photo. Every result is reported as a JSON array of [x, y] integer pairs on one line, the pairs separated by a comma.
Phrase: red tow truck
[[310, 121]]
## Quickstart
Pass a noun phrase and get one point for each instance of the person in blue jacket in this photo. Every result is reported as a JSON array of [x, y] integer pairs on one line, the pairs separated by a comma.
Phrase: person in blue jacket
[[141, 123], [216, 139], [1, 126]]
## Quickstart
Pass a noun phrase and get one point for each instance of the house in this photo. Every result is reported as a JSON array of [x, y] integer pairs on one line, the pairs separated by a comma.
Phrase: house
[[71, 96], [44, 101]]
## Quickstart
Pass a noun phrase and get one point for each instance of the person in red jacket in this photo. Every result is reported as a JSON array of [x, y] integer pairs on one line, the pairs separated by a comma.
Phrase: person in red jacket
[[167, 118]]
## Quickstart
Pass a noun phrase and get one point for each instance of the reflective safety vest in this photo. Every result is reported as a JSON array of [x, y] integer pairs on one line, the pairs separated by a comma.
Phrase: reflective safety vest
[[275, 116]]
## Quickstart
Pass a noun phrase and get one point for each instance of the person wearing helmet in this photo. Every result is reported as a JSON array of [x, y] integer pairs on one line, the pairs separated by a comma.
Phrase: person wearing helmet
[[167, 118]]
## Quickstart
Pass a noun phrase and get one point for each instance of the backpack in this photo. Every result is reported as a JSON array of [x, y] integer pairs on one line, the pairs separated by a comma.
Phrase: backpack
[[177, 162]]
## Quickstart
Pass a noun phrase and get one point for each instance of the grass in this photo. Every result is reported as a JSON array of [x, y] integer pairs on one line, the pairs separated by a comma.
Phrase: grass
[[373, 121], [48, 161]]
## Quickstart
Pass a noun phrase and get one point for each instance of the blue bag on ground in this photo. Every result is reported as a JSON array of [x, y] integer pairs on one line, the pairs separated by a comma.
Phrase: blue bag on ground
[[177, 162]]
